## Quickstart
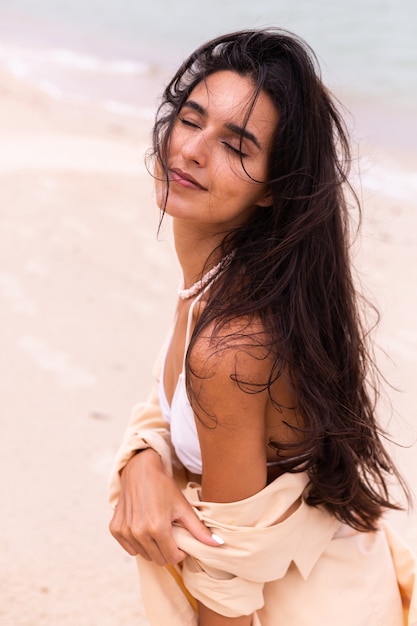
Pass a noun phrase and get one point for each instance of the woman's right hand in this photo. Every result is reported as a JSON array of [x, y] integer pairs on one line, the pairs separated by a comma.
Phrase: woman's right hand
[[149, 503]]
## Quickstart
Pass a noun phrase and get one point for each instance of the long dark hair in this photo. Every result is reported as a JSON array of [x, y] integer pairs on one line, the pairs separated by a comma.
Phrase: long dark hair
[[291, 270]]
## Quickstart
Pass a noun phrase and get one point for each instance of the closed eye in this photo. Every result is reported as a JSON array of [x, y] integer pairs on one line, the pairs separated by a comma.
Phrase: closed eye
[[187, 122], [235, 150]]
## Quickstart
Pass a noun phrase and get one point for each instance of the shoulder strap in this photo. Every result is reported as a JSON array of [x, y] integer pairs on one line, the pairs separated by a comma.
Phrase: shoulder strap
[[190, 319]]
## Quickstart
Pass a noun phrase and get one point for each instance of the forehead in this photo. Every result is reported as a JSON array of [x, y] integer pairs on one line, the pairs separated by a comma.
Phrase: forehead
[[228, 96]]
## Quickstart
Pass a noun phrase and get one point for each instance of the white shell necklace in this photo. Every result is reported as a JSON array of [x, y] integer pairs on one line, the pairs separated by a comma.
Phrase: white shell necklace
[[198, 286]]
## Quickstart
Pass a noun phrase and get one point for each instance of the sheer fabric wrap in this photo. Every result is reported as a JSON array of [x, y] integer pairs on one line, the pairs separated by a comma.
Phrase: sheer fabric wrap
[[283, 561]]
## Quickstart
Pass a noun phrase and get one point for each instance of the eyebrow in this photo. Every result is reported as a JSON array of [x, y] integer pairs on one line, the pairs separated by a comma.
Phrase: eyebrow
[[234, 128]]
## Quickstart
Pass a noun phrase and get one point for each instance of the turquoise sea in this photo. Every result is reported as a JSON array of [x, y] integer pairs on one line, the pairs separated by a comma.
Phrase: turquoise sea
[[367, 48], [118, 55]]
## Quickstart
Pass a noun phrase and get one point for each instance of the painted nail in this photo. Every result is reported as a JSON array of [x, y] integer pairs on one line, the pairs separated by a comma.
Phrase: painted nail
[[217, 539]]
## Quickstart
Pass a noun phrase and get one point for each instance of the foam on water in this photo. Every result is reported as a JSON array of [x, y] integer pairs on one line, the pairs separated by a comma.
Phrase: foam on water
[[78, 77], [89, 63], [21, 60]]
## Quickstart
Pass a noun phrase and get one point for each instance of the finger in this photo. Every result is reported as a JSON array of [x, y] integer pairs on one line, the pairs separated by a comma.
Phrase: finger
[[169, 551], [190, 520], [160, 545], [167, 554], [146, 549], [151, 539], [122, 538]]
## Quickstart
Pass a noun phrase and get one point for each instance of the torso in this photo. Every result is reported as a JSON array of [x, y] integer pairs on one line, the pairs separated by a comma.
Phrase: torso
[[275, 421]]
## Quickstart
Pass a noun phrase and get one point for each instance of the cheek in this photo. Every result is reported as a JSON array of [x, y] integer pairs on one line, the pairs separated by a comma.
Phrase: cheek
[[176, 141], [160, 186], [230, 175]]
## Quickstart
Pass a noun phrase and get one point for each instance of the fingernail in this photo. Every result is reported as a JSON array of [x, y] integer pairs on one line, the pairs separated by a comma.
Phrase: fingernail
[[217, 539]]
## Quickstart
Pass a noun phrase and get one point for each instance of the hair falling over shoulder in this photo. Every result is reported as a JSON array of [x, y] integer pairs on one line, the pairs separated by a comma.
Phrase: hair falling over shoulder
[[291, 270]]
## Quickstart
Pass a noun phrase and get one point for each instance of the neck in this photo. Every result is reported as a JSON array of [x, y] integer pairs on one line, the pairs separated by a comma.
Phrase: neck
[[193, 248]]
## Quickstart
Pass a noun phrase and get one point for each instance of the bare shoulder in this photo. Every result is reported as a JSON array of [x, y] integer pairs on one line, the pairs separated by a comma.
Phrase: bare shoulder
[[229, 367], [236, 350]]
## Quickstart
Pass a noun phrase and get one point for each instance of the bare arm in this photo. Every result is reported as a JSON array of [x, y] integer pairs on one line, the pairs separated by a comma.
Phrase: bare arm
[[145, 497], [231, 431]]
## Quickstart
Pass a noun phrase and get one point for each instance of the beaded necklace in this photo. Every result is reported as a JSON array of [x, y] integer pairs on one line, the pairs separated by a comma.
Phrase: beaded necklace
[[199, 285]]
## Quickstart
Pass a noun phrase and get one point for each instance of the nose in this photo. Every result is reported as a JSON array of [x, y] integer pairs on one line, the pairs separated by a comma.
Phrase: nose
[[195, 148]]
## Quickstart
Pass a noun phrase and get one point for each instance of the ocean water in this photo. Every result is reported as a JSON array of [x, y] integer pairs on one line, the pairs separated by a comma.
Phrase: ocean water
[[367, 48], [120, 53]]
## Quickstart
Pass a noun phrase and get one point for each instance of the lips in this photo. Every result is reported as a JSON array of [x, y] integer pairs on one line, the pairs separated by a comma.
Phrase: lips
[[185, 180]]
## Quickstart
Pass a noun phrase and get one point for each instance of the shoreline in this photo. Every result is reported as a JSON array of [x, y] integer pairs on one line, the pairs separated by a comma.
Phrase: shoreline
[[82, 324], [86, 52]]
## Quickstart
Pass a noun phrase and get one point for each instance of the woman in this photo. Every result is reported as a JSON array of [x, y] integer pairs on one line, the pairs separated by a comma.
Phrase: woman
[[264, 404]]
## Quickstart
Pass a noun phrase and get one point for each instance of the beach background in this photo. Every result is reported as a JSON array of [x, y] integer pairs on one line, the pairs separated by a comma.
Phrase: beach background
[[87, 289]]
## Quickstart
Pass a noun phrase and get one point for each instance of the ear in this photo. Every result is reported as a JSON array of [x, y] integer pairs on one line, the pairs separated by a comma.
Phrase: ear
[[266, 199]]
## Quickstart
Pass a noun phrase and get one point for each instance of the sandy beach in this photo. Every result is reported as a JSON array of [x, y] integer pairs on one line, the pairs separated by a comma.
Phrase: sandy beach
[[86, 293]]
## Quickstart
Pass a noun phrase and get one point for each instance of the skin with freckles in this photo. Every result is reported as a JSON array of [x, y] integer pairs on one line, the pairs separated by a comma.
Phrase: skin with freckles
[[214, 154]]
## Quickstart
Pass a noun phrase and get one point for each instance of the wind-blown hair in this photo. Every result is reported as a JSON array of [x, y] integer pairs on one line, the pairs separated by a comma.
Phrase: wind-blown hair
[[291, 270]]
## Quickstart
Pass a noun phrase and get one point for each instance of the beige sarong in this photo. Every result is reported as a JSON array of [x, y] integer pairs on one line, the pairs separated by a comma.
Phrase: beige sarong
[[283, 561]]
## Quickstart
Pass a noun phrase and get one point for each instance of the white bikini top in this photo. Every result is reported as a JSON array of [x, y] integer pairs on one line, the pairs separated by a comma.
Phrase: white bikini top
[[180, 415]]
